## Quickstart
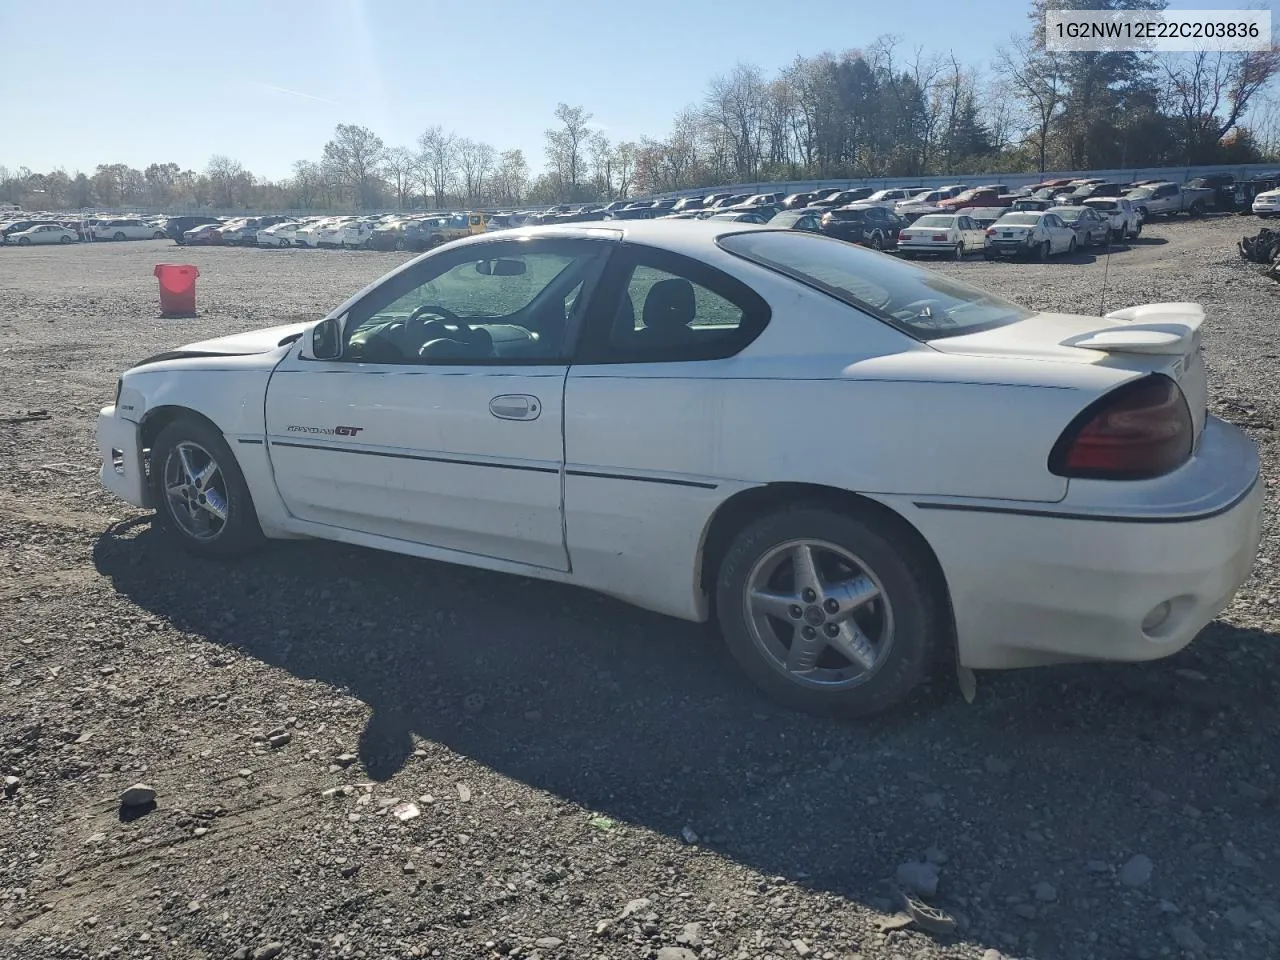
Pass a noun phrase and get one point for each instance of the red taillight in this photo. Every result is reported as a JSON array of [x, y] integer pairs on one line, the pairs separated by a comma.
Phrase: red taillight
[[902, 235], [941, 236], [1142, 430], [991, 231]]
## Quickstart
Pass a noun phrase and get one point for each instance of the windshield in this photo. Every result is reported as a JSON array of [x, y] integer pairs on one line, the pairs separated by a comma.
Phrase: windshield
[[935, 221], [918, 301], [785, 219], [1020, 220], [1142, 193]]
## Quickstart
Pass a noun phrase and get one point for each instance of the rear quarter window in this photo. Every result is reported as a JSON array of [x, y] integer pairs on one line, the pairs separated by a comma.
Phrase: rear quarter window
[[920, 302]]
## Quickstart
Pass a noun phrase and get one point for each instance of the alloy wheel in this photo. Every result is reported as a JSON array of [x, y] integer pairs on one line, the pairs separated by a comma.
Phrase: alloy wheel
[[196, 491], [818, 614]]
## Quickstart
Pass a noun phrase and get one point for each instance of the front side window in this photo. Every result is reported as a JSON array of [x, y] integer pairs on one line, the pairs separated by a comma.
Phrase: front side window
[[920, 302], [501, 302]]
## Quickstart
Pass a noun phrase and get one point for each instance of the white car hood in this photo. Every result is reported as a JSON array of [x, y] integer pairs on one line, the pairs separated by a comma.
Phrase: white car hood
[[251, 341]]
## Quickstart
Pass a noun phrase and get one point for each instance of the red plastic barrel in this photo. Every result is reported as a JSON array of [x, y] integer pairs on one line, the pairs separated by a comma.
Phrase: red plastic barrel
[[177, 289]]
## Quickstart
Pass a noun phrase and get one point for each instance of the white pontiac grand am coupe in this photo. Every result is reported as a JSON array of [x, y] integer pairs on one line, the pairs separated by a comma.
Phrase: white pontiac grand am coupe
[[857, 467]]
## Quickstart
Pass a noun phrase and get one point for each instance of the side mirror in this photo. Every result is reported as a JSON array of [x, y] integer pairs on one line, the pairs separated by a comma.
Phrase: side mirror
[[326, 340]]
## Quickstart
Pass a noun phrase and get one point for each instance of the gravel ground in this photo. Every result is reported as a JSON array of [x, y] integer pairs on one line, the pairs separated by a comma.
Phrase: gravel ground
[[588, 780]]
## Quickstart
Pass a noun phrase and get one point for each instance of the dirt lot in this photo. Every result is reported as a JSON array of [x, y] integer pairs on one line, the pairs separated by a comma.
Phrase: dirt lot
[[564, 750]]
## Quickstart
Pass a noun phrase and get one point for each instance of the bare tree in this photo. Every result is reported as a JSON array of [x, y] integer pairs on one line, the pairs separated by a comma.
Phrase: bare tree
[[308, 182], [355, 156], [475, 161], [398, 166], [602, 165], [224, 176], [736, 105], [437, 162], [566, 148], [1035, 78], [624, 166], [1212, 90], [512, 176]]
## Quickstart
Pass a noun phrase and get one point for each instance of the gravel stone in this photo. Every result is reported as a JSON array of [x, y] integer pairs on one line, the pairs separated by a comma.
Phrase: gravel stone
[[138, 795], [1137, 871], [1045, 892]]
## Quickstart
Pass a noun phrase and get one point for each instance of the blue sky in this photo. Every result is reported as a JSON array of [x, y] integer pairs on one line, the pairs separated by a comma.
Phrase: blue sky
[[266, 81]]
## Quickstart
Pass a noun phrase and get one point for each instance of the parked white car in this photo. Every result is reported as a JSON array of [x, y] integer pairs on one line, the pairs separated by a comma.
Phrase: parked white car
[[922, 203], [941, 234], [127, 229], [1125, 218], [43, 233], [888, 199], [1267, 204], [331, 234], [356, 233], [1029, 233], [653, 438], [280, 235], [309, 234]]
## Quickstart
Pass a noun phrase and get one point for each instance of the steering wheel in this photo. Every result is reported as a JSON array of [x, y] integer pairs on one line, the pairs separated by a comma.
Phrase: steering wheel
[[436, 310]]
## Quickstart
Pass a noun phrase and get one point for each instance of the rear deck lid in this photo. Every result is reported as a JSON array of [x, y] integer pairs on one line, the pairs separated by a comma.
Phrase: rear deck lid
[[1150, 338]]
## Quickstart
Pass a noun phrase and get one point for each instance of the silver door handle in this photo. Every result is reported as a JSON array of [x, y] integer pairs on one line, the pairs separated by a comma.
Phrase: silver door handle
[[515, 406]]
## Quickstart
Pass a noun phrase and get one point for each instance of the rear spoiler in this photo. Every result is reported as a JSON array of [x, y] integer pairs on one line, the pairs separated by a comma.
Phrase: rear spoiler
[[1155, 328]]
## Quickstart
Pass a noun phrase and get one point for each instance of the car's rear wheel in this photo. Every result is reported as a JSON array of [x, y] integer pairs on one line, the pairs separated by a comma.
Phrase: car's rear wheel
[[1042, 251], [282, 242], [959, 251], [877, 241], [827, 611], [1197, 209], [64, 239], [158, 235], [202, 500], [119, 235], [1071, 247]]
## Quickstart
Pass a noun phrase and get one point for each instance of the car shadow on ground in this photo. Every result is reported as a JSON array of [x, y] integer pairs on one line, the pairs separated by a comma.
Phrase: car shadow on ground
[[644, 719]]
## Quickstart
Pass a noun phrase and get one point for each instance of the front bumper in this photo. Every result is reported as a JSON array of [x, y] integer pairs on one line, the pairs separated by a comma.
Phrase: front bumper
[[122, 470], [1085, 579]]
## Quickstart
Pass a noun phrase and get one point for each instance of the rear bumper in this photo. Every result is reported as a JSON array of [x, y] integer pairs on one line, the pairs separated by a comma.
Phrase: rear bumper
[[916, 246], [1087, 580], [122, 470]]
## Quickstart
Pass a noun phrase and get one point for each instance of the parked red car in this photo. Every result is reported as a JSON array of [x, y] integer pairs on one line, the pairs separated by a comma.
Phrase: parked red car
[[978, 197], [208, 235]]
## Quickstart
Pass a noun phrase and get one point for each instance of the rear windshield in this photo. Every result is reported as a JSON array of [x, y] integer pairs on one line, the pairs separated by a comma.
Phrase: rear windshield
[[934, 220], [918, 301], [1020, 219]]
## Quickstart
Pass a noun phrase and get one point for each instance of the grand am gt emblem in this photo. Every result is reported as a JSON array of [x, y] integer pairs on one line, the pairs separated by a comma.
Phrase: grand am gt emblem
[[340, 431]]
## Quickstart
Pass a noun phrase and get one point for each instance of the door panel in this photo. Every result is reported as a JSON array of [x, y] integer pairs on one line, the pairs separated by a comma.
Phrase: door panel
[[415, 453], [442, 422]]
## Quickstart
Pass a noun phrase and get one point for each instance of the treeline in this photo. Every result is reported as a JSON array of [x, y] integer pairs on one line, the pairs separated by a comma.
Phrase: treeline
[[880, 111]]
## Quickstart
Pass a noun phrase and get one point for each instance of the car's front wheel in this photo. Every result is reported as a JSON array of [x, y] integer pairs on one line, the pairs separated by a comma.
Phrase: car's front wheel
[[119, 235], [959, 253], [158, 235], [202, 500], [24, 241], [829, 612]]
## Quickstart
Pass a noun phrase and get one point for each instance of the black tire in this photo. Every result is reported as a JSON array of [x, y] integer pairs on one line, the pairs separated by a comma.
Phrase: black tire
[[1042, 251], [1071, 247], [400, 244], [1117, 235], [959, 252], [24, 241], [877, 241], [240, 534], [1197, 209], [891, 554], [64, 239], [158, 235], [119, 235]]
